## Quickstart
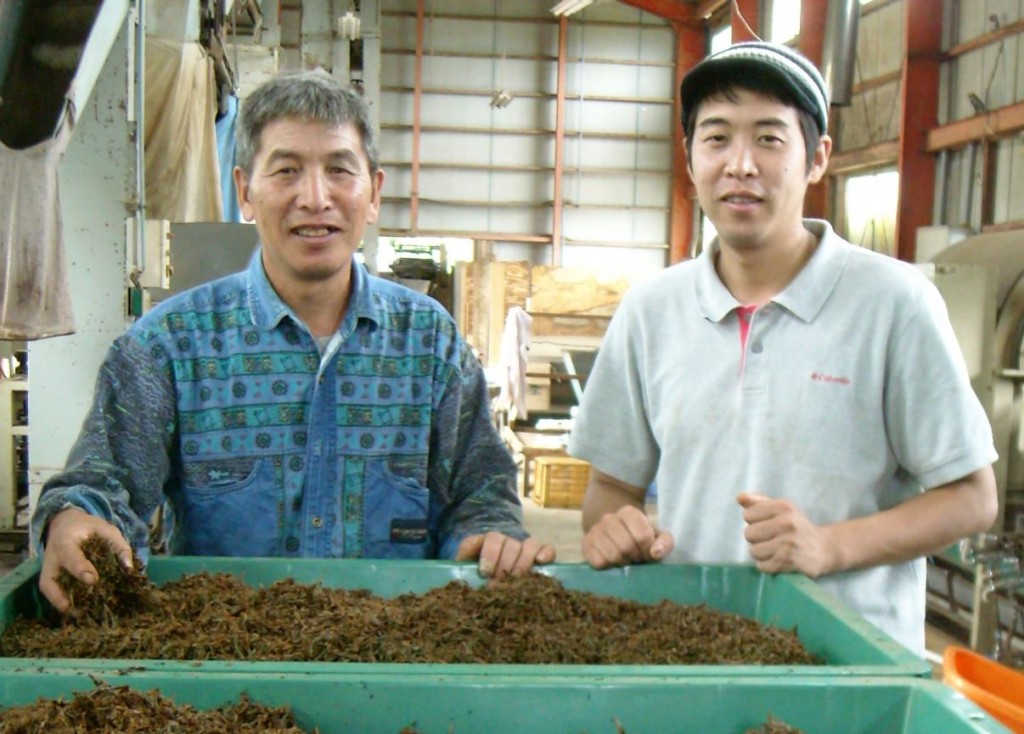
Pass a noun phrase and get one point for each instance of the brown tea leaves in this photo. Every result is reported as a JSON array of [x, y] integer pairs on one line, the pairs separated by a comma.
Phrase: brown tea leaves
[[119, 591], [530, 619], [121, 710]]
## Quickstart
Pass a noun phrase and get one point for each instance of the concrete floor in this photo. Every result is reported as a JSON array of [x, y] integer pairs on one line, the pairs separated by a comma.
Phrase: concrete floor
[[562, 529]]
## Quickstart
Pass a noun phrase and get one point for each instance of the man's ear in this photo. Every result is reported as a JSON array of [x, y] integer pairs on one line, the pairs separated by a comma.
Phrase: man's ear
[[243, 191], [820, 163], [374, 208]]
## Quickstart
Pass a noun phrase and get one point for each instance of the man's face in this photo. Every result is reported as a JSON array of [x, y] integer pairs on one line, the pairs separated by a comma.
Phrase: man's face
[[748, 162], [311, 194]]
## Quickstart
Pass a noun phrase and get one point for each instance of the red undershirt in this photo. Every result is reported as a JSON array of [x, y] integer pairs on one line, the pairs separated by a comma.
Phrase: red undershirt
[[744, 313]]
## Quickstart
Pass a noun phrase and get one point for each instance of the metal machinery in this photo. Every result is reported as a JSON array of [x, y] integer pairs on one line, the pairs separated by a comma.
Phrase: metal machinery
[[980, 585]]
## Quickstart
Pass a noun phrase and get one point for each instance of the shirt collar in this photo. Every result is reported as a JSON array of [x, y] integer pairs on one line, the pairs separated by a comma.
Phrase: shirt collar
[[268, 309], [803, 297]]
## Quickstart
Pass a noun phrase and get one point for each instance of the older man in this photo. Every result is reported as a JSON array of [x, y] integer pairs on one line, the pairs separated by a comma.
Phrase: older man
[[301, 407]]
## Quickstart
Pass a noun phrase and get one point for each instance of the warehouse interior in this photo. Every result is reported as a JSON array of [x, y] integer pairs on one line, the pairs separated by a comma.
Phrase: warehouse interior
[[535, 169]]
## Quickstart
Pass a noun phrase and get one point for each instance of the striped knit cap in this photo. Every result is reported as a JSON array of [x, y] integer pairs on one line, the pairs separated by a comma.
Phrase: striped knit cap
[[792, 69]]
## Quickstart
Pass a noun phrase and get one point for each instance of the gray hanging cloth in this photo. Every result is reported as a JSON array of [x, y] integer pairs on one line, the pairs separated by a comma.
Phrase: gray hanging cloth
[[35, 301]]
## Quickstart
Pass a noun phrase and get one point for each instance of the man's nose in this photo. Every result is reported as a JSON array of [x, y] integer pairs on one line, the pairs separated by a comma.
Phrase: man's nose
[[741, 160], [314, 191]]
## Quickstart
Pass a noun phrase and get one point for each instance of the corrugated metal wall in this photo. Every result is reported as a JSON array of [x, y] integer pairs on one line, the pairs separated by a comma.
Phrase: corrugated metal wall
[[488, 172], [994, 75], [873, 114]]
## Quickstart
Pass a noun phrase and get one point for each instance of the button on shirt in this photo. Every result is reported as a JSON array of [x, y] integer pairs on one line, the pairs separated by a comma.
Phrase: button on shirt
[[219, 404]]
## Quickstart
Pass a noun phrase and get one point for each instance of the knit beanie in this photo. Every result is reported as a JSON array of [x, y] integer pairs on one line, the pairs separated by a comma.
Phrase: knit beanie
[[793, 70]]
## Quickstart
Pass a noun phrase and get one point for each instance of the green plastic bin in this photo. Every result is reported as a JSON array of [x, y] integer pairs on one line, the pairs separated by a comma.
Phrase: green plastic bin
[[848, 644], [384, 704]]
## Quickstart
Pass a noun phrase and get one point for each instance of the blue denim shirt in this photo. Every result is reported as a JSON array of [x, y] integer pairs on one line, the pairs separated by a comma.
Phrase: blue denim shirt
[[219, 405]]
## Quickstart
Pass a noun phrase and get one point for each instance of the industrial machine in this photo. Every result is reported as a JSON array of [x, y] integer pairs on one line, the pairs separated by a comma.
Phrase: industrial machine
[[980, 585]]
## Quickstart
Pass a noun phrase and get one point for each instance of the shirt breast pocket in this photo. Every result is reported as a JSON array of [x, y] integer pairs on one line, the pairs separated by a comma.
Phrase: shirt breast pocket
[[396, 513], [231, 508]]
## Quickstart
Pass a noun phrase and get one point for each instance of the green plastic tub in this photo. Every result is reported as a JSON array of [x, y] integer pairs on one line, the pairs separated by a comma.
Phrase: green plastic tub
[[848, 645], [385, 704]]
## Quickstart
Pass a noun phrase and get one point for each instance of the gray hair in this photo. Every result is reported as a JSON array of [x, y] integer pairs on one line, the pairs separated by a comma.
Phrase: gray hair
[[313, 96]]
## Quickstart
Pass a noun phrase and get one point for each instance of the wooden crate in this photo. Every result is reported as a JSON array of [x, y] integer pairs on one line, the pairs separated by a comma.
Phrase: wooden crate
[[561, 481]]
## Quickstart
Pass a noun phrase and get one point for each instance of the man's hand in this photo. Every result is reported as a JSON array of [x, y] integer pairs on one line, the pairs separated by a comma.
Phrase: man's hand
[[782, 539], [64, 536], [623, 537], [500, 555]]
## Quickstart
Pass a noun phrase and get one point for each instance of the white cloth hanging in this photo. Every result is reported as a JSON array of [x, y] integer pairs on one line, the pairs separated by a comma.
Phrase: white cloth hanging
[[182, 170], [515, 343], [35, 299]]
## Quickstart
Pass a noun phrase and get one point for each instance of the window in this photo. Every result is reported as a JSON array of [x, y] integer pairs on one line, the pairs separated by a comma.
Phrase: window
[[442, 250], [720, 39], [785, 20], [870, 202]]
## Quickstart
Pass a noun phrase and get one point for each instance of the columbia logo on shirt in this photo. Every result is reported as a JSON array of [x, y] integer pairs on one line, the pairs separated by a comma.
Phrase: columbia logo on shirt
[[822, 377]]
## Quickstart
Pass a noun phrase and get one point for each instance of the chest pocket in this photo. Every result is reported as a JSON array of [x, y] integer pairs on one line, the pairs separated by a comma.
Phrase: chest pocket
[[230, 508], [396, 512]]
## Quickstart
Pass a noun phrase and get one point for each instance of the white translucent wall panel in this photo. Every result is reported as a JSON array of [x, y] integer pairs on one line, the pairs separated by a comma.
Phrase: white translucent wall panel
[[635, 262], [621, 189], [522, 251], [395, 145], [615, 51], [617, 117], [397, 181], [394, 215], [497, 186], [597, 79], [614, 225], [516, 8], [499, 149], [455, 110], [480, 219], [620, 42], [602, 152]]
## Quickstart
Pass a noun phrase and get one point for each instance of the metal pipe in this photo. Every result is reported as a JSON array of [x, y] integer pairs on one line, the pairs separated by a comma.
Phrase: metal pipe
[[839, 56], [557, 204], [417, 103], [137, 114]]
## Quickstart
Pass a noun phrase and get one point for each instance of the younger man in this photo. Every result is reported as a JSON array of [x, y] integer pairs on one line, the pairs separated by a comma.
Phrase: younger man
[[791, 394]]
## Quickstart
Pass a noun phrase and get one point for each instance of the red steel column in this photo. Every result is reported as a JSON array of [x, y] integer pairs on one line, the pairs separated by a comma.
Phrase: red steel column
[[919, 94], [689, 52]]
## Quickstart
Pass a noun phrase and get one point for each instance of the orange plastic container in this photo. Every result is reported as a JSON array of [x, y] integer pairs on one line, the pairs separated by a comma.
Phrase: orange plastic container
[[997, 688]]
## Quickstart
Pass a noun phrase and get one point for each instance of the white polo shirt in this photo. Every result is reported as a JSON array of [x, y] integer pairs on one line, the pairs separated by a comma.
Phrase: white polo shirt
[[848, 395]]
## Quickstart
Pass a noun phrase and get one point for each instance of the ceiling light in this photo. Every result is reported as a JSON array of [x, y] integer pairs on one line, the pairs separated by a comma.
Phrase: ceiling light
[[568, 7]]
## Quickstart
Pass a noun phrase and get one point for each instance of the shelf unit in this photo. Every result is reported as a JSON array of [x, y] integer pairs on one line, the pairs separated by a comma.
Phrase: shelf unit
[[13, 424]]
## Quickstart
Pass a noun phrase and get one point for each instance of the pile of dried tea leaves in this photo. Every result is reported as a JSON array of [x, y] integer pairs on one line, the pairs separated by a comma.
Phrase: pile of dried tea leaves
[[121, 710], [118, 592], [774, 726], [529, 619]]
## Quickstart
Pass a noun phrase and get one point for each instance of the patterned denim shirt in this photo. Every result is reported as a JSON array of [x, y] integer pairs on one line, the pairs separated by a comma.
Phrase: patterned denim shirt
[[218, 406]]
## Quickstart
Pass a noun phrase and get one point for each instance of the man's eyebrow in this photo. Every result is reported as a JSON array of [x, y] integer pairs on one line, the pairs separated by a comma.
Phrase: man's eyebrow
[[711, 121], [349, 156], [772, 122], [765, 122]]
